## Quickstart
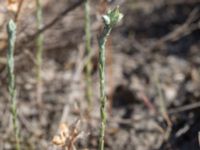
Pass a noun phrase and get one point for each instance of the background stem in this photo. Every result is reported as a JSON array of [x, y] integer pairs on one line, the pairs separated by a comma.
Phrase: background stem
[[39, 53], [88, 51]]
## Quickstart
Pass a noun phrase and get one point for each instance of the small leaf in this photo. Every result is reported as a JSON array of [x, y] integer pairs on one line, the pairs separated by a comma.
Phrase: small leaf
[[106, 19], [11, 26]]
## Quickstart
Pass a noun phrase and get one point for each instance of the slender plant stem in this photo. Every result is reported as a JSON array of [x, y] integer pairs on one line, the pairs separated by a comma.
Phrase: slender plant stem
[[110, 19], [39, 53], [102, 58], [11, 30], [88, 51]]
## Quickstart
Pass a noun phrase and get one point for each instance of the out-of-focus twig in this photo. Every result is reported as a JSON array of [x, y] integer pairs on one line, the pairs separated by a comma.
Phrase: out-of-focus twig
[[184, 108], [56, 19], [18, 10], [29, 39], [180, 31], [162, 107], [147, 102]]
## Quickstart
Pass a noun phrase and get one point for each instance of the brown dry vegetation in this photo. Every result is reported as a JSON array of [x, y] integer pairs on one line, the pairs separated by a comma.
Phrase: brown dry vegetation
[[153, 76]]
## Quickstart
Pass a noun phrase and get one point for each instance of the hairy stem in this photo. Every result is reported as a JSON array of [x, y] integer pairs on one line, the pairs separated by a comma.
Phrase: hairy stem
[[110, 19], [11, 30], [102, 58]]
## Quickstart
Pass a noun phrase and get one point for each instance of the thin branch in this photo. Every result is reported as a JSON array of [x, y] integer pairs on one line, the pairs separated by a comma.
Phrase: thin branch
[[18, 10], [56, 19], [30, 38]]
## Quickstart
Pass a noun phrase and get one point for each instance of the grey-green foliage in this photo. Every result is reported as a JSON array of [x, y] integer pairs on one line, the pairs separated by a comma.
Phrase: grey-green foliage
[[11, 30], [110, 20]]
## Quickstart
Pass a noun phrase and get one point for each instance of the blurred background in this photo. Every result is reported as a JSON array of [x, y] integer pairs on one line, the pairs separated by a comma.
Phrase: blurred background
[[152, 74]]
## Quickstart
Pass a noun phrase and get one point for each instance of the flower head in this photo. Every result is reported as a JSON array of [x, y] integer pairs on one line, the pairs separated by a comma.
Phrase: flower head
[[113, 17]]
